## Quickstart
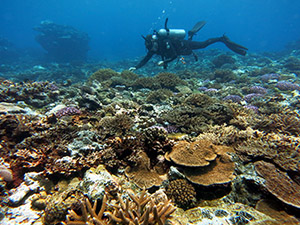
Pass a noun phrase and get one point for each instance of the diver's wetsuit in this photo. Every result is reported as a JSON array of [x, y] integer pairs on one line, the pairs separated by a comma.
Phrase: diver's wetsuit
[[169, 49]]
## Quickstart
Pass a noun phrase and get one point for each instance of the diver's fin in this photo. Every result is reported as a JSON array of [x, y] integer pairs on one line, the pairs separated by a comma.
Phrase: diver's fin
[[239, 49], [195, 29]]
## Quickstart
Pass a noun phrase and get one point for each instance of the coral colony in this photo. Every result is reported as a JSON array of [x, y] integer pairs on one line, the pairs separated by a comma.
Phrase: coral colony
[[212, 142]]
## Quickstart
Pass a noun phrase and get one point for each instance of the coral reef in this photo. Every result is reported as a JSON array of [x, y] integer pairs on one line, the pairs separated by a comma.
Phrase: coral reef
[[202, 162], [63, 43], [135, 210], [220, 60]]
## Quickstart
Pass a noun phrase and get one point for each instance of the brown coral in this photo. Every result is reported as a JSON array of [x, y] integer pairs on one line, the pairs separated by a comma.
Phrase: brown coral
[[142, 175], [279, 183], [219, 171], [135, 210], [182, 193], [272, 209], [203, 162], [195, 154], [102, 75], [281, 149]]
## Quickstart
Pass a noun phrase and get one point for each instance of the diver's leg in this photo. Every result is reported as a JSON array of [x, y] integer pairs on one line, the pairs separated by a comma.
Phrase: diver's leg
[[224, 39], [202, 44]]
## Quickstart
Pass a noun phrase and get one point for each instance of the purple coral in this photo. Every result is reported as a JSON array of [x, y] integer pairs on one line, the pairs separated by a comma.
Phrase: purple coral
[[202, 88], [270, 76], [233, 98], [252, 96], [211, 90], [67, 111], [258, 90], [287, 86], [171, 129], [252, 107]]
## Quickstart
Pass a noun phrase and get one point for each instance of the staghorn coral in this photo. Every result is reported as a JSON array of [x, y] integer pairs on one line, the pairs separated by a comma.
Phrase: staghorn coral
[[199, 100], [135, 210], [182, 193]]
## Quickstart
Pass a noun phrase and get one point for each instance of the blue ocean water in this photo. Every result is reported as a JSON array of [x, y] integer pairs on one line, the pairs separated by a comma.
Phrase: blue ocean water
[[115, 27]]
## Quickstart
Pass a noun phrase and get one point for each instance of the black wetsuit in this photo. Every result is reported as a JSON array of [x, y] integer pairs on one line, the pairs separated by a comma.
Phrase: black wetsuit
[[170, 48]]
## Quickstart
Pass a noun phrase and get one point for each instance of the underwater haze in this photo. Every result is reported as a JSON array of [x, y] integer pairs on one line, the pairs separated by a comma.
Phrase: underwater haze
[[115, 27]]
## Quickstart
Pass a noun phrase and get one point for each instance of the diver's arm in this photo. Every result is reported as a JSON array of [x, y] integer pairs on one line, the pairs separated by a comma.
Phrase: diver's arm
[[145, 59]]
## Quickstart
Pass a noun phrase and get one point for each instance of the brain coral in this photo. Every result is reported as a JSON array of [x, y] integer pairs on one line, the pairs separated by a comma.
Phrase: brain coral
[[182, 193]]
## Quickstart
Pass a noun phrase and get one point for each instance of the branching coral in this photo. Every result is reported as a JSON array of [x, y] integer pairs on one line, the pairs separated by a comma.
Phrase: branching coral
[[169, 80], [115, 125], [286, 122], [281, 149], [102, 75], [134, 211]]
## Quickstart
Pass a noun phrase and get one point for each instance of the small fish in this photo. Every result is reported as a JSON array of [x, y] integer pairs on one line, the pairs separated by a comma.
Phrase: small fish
[[182, 60]]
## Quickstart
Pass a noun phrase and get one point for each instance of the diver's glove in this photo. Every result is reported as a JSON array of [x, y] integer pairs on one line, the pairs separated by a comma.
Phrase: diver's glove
[[161, 63], [131, 69], [239, 49]]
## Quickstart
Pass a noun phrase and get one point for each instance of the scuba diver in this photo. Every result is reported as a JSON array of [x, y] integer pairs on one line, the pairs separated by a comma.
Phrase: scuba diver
[[170, 43]]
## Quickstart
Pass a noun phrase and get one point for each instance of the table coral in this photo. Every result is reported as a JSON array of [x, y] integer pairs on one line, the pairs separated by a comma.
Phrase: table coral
[[194, 154], [279, 184], [203, 162]]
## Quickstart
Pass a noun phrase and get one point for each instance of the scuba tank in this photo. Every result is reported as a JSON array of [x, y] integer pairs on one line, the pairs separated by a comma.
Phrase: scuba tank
[[173, 33]]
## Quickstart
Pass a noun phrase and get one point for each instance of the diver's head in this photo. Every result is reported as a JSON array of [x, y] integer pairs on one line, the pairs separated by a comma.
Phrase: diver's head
[[151, 42]]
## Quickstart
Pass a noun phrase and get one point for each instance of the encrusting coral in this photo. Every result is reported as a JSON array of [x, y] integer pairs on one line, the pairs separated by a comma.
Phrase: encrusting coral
[[134, 211]]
